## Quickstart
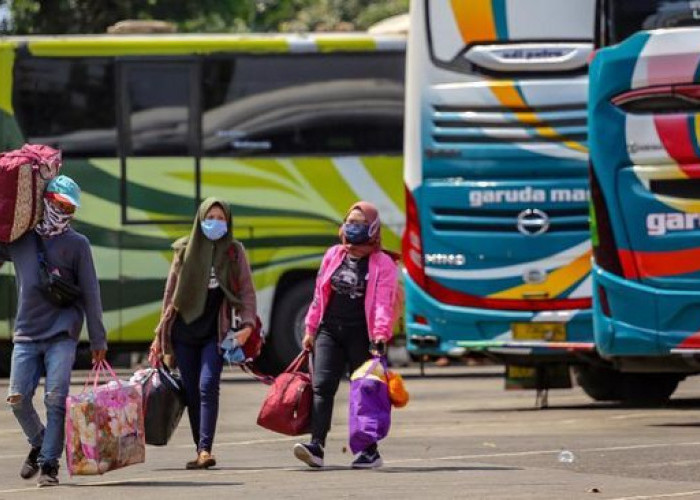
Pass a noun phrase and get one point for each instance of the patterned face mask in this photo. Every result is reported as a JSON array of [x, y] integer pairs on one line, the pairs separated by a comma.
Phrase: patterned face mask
[[55, 221]]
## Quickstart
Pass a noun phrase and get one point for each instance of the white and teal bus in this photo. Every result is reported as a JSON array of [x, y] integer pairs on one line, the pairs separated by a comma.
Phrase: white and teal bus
[[290, 129], [497, 248]]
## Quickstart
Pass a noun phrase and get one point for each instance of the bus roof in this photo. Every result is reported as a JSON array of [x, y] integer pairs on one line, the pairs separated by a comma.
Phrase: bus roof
[[191, 44]]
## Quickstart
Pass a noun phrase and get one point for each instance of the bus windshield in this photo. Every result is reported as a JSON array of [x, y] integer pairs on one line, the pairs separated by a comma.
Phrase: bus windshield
[[624, 18], [459, 34]]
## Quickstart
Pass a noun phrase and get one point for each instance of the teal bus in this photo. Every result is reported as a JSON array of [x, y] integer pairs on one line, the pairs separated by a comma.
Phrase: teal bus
[[644, 125], [289, 129], [497, 245]]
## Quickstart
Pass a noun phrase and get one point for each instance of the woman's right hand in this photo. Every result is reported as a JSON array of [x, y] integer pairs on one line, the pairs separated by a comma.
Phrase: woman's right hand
[[308, 341]]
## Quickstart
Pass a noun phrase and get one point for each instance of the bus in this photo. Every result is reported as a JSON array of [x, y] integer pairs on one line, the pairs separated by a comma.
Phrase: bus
[[291, 130], [497, 244], [645, 181]]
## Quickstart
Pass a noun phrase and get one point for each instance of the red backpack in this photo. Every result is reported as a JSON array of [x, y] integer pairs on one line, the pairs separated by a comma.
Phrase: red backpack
[[24, 174]]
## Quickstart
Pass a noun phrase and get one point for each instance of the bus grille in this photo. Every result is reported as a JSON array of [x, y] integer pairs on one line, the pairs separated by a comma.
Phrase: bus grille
[[483, 220], [493, 126]]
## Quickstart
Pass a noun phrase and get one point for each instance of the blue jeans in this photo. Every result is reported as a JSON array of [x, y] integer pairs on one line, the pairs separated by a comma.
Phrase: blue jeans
[[200, 369], [30, 360]]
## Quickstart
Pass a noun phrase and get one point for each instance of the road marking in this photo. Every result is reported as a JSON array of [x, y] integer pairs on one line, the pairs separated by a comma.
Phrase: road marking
[[241, 443], [638, 415], [661, 495], [544, 452], [183, 476]]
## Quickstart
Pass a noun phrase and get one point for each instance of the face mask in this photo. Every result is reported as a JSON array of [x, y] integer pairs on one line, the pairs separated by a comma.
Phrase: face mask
[[234, 356], [214, 229], [232, 351], [356, 234], [55, 220]]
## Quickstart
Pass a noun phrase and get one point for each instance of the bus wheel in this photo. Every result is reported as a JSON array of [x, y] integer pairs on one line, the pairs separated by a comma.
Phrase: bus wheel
[[648, 389], [288, 322], [599, 382]]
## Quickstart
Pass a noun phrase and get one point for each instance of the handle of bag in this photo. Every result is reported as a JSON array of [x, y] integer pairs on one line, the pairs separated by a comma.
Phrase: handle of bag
[[94, 375], [248, 369], [298, 362], [375, 361]]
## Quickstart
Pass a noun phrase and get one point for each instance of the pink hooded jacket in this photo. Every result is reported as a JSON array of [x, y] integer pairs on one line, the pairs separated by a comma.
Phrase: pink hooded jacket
[[380, 297]]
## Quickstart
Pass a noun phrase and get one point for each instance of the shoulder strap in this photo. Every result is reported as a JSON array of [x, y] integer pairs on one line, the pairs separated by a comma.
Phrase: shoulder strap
[[42, 256]]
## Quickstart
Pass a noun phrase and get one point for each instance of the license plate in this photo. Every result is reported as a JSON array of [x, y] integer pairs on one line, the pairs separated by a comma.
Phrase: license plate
[[553, 332]]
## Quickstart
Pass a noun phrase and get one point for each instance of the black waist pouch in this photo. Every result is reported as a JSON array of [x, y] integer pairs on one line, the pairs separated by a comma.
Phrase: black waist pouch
[[57, 290]]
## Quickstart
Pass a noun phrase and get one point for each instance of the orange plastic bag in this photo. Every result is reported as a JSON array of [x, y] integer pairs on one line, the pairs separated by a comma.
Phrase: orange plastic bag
[[397, 390]]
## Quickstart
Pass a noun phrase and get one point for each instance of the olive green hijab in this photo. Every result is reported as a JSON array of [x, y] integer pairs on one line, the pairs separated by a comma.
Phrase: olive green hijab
[[198, 255]]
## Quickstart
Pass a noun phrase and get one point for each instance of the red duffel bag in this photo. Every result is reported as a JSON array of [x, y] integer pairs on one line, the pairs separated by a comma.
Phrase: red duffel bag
[[287, 406], [24, 174]]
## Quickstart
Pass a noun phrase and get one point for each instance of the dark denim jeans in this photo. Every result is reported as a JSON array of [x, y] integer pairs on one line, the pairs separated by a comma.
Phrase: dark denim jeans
[[55, 356], [200, 368]]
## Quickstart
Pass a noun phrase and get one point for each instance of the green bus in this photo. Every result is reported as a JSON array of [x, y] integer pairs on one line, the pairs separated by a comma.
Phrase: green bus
[[289, 129]]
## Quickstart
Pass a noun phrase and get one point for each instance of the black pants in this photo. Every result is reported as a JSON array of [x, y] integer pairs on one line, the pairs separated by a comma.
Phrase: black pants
[[337, 348]]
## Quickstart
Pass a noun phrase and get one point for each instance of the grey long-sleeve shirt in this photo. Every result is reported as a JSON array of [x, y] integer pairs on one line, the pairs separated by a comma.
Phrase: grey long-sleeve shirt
[[37, 318]]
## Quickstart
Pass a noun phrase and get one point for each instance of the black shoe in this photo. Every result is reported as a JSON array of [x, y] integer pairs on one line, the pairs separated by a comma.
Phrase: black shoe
[[311, 454], [368, 460], [30, 466], [49, 475]]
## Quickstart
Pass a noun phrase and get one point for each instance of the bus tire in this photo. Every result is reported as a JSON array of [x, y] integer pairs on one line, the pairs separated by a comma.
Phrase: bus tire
[[600, 383], [648, 389], [288, 322]]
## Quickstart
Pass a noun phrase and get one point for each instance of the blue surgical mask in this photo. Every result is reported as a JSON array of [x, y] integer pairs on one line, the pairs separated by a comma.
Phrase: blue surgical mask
[[214, 229], [232, 350], [235, 355], [356, 234]]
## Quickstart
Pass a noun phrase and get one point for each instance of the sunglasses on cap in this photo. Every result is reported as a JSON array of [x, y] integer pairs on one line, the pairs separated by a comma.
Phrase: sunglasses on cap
[[63, 206]]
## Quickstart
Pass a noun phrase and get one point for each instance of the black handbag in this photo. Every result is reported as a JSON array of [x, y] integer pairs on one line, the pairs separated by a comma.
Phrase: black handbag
[[57, 290], [163, 405]]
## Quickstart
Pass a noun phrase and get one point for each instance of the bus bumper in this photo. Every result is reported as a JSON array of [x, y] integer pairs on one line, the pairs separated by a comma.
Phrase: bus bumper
[[435, 328], [644, 321]]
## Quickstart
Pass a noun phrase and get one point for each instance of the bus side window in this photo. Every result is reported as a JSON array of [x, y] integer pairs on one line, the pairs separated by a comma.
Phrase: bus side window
[[301, 104], [67, 103]]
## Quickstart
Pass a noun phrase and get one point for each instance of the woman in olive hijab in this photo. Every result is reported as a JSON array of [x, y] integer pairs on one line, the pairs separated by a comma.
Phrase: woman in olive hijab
[[209, 277]]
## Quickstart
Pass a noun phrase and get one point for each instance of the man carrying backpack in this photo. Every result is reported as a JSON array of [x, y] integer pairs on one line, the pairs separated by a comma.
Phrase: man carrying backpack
[[58, 288]]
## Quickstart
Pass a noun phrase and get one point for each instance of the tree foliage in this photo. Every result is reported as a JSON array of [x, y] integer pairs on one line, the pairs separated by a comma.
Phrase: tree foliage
[[220, 16]]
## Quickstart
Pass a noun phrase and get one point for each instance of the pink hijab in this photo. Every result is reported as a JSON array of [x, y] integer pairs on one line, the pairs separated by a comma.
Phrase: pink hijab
[[375, 242]]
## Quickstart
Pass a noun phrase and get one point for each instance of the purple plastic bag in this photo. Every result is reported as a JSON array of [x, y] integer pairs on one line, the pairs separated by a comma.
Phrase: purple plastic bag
[[369, 406]]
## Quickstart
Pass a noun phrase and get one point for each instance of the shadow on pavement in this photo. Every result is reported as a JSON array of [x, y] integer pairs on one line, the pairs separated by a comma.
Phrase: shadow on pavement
[[216, 468], [397, 469], [412, 470], [159, 484], [674, 404], [677, 424]]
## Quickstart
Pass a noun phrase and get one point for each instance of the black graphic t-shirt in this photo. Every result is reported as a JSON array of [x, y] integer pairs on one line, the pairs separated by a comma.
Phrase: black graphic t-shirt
[[348, 285], [204, 328]]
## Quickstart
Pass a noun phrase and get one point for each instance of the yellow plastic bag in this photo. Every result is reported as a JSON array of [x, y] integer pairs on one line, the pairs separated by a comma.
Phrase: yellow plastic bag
[[377, 373], [397, 390]]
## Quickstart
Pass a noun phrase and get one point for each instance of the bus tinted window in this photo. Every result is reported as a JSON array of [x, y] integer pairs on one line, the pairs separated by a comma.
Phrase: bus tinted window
[[626, 18], [158, 96], [68, 103], [303, 104]]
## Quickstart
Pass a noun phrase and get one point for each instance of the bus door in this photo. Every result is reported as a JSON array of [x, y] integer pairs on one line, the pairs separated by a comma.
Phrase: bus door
[[159, 131]]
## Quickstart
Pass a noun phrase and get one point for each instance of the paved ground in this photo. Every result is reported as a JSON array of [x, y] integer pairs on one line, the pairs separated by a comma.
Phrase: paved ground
[[462, 436]]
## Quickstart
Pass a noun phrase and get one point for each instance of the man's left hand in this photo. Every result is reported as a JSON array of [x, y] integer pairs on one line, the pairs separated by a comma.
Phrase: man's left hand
[[98, 356]]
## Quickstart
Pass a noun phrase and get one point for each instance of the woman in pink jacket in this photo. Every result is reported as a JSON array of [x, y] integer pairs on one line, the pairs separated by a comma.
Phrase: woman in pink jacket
[[351, 318]]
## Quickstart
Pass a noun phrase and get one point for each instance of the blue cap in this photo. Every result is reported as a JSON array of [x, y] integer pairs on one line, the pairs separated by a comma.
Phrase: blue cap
[[65, 189]]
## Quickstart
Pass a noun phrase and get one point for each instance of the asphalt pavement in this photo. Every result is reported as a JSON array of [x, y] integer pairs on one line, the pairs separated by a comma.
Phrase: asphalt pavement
[[461, 436]]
